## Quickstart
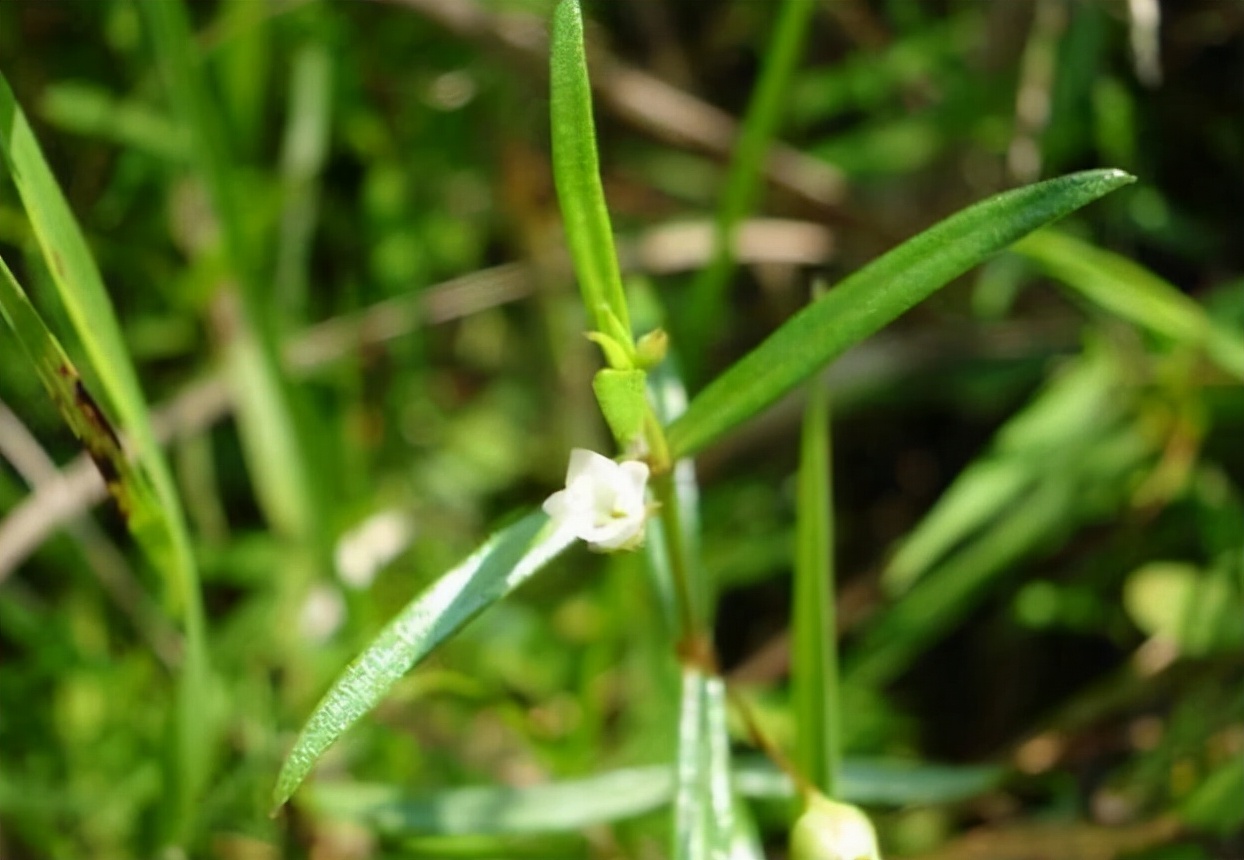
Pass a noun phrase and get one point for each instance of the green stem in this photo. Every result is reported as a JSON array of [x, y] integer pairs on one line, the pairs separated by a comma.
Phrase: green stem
[[669, 510]]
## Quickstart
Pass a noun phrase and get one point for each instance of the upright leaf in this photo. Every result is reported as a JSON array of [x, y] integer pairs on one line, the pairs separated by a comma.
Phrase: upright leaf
[[703, 792], [814, 657], [577, 171], [746, 167], [876, 295], [81, 291], [275, 448]]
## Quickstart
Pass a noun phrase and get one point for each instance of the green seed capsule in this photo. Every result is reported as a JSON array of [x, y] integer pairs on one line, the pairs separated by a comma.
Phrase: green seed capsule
[[828, 830]]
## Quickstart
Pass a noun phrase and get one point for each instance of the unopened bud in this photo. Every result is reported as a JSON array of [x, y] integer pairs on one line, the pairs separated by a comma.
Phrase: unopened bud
[[828, 830], [651, 348]]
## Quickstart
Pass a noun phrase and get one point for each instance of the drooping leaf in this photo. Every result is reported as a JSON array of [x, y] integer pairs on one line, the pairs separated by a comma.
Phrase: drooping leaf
[[876, 295], [1129, 290], [507, 560]]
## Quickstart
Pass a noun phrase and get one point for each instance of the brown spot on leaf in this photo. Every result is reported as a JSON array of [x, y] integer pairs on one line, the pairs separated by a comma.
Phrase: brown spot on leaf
[[103, 445]]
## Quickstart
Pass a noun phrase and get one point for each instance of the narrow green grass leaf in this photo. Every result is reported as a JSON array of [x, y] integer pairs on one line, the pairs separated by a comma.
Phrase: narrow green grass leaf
[[814, 654], [574, 804], [746, 168], [577, 172], [127, 485], [275, 449], [876, 295], [1132, 292], [1076, 407], [1073, 490], [304, 152], [507, 560], [703, 794], [81, 290], [91, 110], [879, 782], [557, 806]]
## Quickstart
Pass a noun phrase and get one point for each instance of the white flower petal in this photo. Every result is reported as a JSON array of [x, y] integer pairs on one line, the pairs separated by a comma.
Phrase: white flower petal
[[603, 502]]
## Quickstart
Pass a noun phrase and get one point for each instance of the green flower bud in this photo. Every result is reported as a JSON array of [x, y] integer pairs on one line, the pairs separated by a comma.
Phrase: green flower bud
[[828, 830], [651, 349]]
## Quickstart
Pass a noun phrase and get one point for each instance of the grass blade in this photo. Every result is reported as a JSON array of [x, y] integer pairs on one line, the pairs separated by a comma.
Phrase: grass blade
[[746, 166], [814, 656], [127, 485], [1130, 291], [500, 810], [573, 804], [577, 172], [1073, 409], [876, 782], [876, 295], [275, 450], [703, 794], [507, 560], [160, 528]]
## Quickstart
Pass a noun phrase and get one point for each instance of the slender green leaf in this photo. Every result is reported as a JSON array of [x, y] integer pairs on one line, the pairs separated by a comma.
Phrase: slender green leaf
[[577, 172], [1129, 290], [1073, 491], [703, 794], [304, 152], [507, 560], [747, 163], [617, 795], [874, 296], [1072, 410], [879, 782], [558, 806], [274, 447], [92, 110], [814, 655], [127, 485], [82, 293]]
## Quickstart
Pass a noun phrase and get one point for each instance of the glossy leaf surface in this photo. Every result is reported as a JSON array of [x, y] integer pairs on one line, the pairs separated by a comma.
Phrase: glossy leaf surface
[[876, 295]]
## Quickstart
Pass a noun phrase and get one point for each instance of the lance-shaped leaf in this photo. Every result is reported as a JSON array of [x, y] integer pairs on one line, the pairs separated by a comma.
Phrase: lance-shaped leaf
[[876, 295], [502, 564], [577, 172]]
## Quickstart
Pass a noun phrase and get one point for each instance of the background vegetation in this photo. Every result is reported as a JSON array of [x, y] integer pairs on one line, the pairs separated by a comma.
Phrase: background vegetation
[[330, 236]]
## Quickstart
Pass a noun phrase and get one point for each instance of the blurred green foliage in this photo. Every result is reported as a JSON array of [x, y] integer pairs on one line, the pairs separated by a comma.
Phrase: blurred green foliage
[[1039, 524]]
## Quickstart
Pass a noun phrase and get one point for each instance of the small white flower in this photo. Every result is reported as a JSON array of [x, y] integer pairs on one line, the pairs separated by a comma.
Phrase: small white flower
[[603, 502]]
